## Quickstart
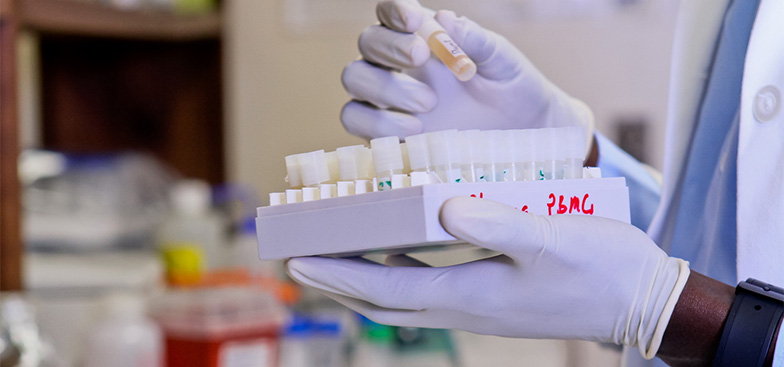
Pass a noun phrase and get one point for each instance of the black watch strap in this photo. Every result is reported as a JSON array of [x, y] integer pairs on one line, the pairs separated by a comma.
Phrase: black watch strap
[[748, 331]]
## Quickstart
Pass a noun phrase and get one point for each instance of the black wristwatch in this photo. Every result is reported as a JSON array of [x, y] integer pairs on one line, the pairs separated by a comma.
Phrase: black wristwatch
[[751, 323]]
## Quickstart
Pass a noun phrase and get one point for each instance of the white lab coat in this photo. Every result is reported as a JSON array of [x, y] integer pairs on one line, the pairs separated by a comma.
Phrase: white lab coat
[[760, 197]]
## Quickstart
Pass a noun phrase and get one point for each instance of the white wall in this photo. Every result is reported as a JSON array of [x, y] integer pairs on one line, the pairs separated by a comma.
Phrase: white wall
[[284, 94]]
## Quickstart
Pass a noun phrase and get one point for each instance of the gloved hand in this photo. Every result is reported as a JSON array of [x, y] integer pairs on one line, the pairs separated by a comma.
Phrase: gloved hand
[[398, 88], [565, 277]]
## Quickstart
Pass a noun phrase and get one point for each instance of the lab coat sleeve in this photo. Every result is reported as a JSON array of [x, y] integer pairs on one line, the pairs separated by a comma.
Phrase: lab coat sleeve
[[778, 354], [643, 182]]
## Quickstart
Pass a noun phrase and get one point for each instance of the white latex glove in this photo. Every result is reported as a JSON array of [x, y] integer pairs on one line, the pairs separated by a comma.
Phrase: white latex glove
[[398, 88], [564, 277]]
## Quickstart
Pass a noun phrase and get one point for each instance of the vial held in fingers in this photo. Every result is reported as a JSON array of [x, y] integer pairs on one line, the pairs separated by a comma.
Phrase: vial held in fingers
[[446, 49]]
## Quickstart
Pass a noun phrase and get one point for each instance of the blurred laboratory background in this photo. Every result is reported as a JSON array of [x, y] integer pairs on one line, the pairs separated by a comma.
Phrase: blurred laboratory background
[[139, 136]]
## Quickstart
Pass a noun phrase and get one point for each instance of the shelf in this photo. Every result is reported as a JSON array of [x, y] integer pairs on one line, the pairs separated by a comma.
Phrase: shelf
[[93, 19]]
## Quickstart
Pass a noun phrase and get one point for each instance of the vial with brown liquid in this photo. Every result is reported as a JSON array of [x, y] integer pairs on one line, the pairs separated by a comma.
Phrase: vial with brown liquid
[[446, 49]]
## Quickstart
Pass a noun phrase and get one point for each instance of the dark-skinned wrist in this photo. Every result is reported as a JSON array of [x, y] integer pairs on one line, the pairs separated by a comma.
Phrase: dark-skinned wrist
[[694, 331]]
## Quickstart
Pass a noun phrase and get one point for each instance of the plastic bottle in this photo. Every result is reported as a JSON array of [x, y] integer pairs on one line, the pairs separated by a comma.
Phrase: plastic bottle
[[244, 253], [192, 221], [125, 337]]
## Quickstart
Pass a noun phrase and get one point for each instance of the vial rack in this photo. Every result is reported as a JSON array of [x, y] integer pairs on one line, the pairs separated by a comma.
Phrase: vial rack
[[387, 198]]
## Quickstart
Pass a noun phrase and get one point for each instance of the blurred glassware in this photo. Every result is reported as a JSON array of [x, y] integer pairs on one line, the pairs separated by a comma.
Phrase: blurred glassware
[[21, 343], [124, 336], [87, 202]]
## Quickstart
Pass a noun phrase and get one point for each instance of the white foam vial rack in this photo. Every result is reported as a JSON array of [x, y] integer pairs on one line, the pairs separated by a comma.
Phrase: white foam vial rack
[[406, 220]]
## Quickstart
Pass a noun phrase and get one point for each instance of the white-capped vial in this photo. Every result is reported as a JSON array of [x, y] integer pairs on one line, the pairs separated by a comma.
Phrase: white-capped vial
[[498, 156], [313, 168], [387, 160], [292, 171], [446, 49], [355, 163], [446, 155], [420, 178], [418, 155], [473, 155], [293, 196], [277, 198], [552, 154], [540, 137], [333, 166], [364, 186], [346, 188], [310, 194], [328, 190], [574, 152], [524, 153]]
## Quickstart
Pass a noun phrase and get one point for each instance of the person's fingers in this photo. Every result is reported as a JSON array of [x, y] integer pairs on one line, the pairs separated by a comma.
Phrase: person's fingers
[[400, 15], [383, 46], [370, 122], [497, 226], [495, 57], [406, 318], [404, 288], [387, 89]]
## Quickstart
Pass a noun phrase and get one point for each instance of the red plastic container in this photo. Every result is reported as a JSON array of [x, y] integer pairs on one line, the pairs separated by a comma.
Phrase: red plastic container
[[222, 327]]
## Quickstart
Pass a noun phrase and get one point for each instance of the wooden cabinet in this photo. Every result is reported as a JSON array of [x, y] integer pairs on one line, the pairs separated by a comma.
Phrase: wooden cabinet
[[113, 80]]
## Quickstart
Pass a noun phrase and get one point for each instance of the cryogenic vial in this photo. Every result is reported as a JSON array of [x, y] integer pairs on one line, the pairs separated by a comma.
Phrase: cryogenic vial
[[524, 153], [355, 163], [574, 153], [552, 154], [446, 49], [292, 171], [473, 155], [418, 156], [313, 168], [446, 155], [540, 137], [419, 159], [498, 156], [387, 160], [333, 166]]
